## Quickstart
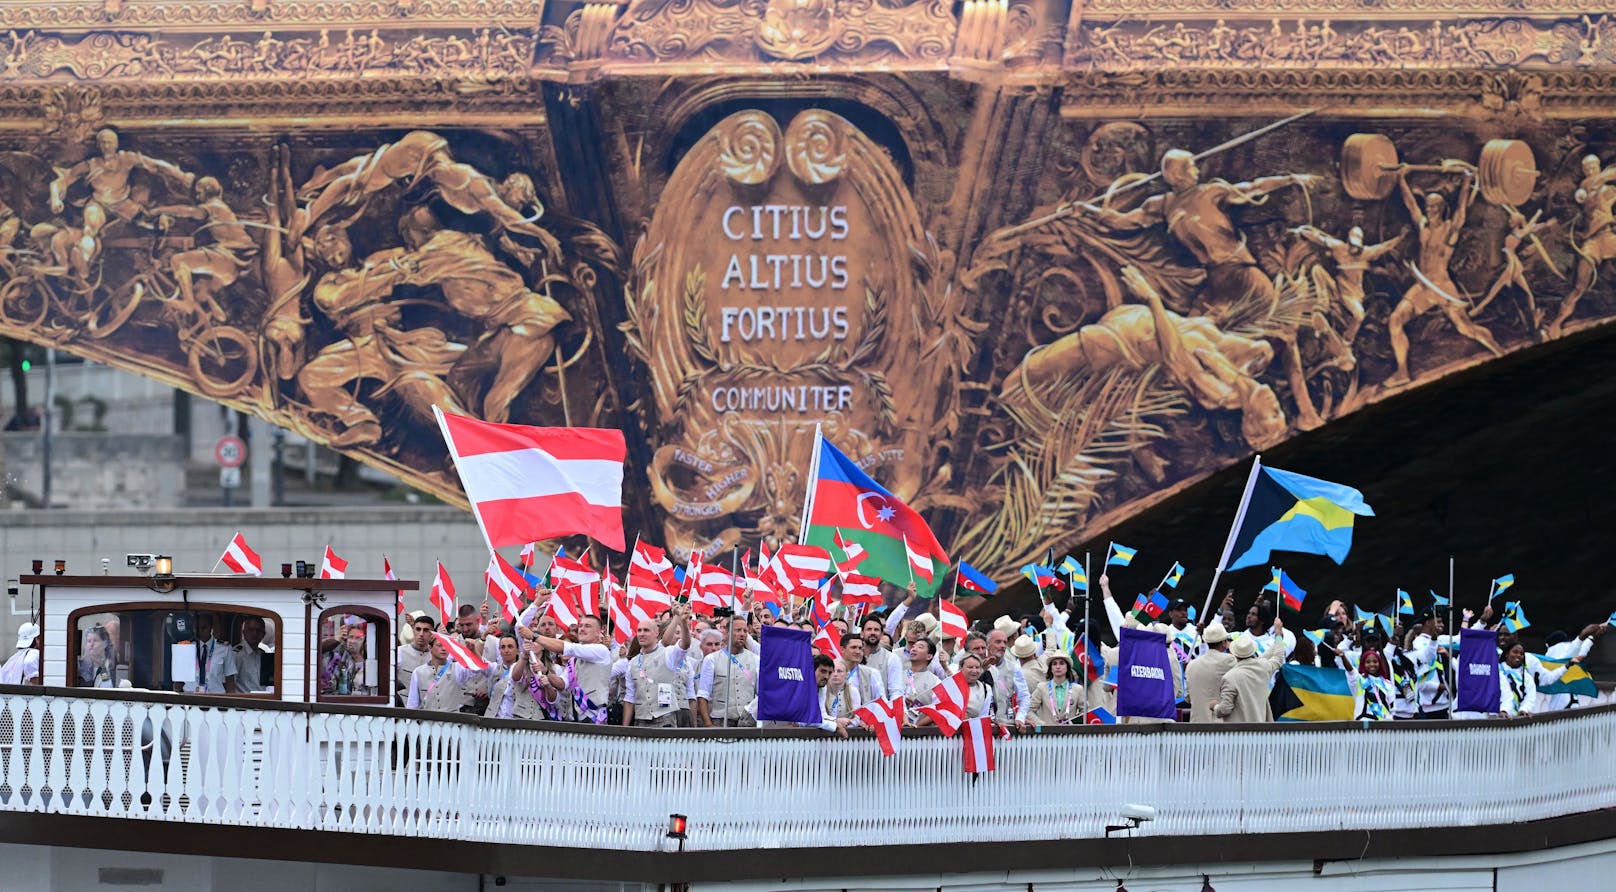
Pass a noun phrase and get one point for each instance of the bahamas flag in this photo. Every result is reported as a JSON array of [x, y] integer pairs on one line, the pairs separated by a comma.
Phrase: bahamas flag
[[1282, 511], [843, 497], [1175, 575], [1120, 555], [1576, 679], [1405, 603], [1073, 568], [1311, 694]]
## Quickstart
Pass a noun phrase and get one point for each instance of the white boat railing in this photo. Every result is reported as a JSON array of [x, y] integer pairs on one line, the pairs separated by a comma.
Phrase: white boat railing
[[378, 771]]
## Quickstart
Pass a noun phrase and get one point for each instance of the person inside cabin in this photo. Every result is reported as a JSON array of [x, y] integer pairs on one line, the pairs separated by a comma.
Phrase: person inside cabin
[[254, 674], [215, 661], [342, 660], [97, 664], [439, 684], [22, 667], [413, 655]]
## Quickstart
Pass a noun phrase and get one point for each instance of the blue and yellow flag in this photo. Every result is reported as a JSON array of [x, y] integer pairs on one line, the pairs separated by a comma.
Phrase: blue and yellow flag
[[1079, 577], [1514, 617], [1311, 694], [1315, 635], [1120, 555], [1175, 575], [1437, 600], [1576, 679], [1293, 512], [1405, 603], [1501, 585]]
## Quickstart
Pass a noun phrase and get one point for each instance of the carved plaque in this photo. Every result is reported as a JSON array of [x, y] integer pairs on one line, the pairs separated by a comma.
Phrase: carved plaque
[[784, 283]]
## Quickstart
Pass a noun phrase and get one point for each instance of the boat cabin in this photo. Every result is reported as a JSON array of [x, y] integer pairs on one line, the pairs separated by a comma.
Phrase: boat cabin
[[295, 639]]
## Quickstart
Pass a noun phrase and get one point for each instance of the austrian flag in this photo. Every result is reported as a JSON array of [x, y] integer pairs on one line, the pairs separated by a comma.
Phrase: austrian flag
[[978, 745], [885, 718], [331, 566], [506, 585], [241, 559], [527, 483]]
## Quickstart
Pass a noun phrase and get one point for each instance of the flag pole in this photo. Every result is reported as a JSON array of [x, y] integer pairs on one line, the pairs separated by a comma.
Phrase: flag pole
[[911, 564], [729, 691], [813, 479], [1234, 531], [1453, 668], [1087, 590]]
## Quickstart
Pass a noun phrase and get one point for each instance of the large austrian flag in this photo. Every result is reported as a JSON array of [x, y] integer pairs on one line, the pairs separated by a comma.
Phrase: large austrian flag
[[844, 499], [529, 483]]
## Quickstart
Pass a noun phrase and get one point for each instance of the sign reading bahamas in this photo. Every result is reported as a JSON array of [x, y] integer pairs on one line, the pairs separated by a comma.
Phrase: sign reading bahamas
[[786, 281]]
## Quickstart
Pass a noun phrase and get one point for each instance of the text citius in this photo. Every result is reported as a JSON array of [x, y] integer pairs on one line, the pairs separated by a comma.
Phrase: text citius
[[780, 270]]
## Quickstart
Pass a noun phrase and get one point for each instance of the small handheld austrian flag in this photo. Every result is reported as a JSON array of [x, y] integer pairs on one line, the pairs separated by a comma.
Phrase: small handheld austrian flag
[[241, 559], [460, 653], [978, 735], [331, 566]]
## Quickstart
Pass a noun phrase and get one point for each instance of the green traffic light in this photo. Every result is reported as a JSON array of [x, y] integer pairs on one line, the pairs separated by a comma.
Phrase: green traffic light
[[26, 365]]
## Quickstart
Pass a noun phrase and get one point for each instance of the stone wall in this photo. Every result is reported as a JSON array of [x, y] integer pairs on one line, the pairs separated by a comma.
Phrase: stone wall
[[96, 471]]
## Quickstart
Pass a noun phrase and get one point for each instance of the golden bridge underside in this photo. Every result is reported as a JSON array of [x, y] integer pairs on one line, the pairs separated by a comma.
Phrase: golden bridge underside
[[956, 235]]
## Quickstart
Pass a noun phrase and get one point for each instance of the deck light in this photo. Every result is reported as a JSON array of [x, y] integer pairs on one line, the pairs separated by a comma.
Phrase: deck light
[[676, 829], [61, 566], [38, 566]]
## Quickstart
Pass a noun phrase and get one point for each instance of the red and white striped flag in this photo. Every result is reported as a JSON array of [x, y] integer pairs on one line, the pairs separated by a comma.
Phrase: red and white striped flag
[[575, 573], [799, 568], [526, 483], [885, 718], [563, 605], [654, 562], [331, 566], [919, 562], [821, 613], [978, 745], [944, 718], [646, 593], [825, 642], [506, 585], [952, 620], [718, 588], [852, 553], [954, 694], [241, 559], [387, 573], [622, 619], [858, 589], [526, 557], [443, 594], [460, 653]]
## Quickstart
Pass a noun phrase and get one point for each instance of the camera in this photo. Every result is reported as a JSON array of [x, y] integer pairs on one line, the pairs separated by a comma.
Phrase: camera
[[141, 562], [1140, 813]]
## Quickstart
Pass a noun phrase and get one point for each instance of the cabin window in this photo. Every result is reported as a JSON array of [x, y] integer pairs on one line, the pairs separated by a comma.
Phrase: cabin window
[[207, 649], [355, 656]]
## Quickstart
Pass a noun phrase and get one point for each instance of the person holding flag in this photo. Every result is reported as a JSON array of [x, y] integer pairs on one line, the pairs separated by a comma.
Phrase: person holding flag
[[1203, 678], [413, 655], [1429, 654], [439, 684], [654, 688], [921, 675], [588, 670], [1243, 696]]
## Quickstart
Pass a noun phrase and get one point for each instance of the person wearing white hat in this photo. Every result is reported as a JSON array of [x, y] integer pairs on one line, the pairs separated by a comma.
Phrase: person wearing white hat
[[1033, 668], [1057, 701], [23, 666], [1243, 695], [1203, 680]]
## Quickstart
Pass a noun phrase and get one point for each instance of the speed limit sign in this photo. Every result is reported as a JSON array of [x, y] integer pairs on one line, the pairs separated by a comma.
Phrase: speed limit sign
[[230, 451]]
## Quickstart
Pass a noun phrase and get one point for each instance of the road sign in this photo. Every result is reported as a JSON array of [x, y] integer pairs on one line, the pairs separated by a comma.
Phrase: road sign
[[229, 477], [231, 453]]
